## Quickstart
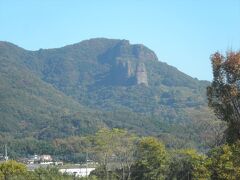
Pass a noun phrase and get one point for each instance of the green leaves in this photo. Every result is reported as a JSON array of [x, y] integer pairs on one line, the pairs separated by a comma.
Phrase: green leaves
[[10, 169], [190, 164], [224, 92], [152, 159], [225, 162]]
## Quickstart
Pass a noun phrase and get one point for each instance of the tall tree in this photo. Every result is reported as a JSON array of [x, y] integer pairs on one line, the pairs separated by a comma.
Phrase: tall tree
[[224, 92], [152, 160], [188, 164], [104, 145], [115, 146], [124, 151]]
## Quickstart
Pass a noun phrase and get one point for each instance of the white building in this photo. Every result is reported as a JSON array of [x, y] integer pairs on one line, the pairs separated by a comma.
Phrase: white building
[[45, 158], [79, 172]]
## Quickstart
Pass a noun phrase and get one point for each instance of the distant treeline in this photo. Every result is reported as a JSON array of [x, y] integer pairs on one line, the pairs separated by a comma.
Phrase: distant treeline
[[123, 155]]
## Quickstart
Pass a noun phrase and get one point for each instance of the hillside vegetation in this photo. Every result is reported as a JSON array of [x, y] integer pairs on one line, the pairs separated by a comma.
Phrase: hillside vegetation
[[79, 88]]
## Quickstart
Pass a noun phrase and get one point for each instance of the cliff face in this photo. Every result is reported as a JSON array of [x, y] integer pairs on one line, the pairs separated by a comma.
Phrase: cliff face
[[123, 73], [141, 74], [127, 63], [130, 73]]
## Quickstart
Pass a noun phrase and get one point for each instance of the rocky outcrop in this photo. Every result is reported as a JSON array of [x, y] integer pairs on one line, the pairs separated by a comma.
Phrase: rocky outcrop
[[142, 53], [128, 73], [127, 69], [141, 74], [127, 63], [123, 72]]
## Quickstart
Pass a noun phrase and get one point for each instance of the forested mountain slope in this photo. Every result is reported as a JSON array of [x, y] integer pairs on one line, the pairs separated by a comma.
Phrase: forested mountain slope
[[99, 82]]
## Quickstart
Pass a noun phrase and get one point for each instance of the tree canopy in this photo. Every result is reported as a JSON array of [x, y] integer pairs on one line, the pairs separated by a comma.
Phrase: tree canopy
[[152, 160], [224, 92]]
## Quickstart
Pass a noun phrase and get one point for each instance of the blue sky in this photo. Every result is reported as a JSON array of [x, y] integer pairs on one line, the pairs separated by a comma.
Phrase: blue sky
[[183, 33]]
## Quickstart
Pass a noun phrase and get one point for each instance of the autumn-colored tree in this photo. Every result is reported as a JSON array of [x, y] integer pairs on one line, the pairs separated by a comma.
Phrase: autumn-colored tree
[[224, 92]]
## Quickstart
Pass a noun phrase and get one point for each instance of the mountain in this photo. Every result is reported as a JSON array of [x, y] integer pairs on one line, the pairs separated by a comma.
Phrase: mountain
[[109, 74], [96, 83]]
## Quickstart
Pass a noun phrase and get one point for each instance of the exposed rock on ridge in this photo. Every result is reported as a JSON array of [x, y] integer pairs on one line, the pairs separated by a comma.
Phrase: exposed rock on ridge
[[141, 74]]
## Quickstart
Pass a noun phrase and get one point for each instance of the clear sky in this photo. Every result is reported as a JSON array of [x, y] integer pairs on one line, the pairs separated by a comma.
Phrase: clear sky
[[183, 33]]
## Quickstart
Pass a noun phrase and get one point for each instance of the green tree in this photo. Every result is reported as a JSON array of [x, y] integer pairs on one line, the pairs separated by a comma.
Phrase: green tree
[[152, 160], [12, 169], [225, 162], [188, 164], [114, 149], [125, 147], [104, 144], [50, 173], [224, 92]]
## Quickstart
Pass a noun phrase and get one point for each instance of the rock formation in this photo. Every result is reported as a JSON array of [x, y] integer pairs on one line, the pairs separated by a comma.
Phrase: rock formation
[[141, 74], [123, 72]]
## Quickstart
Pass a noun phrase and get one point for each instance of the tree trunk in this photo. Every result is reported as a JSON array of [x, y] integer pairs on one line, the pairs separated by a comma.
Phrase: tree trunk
[[129, 173], [123, 173], [106, 172]]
